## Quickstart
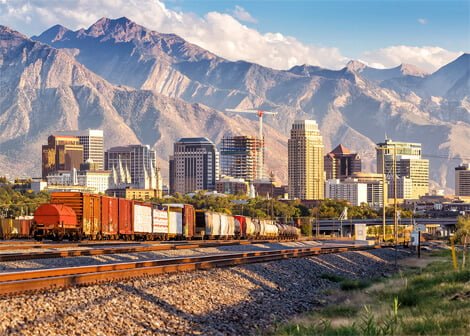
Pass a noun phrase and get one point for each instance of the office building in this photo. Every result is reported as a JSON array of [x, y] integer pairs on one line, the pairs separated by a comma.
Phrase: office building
[[93, 145], [409, 164], [93, 181], [462, 180], [349, 190], [305, 163], [242, 157], [62, 153], [340, 163], [375, 186], [232, 186], [133, 166], [195, 165]]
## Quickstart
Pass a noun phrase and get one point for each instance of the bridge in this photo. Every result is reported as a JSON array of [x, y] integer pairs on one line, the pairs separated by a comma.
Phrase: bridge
[[446, 224]]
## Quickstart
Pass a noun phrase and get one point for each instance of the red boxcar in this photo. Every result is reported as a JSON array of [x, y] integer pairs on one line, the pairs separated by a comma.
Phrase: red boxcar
[[109, 216], [126, 217], [189, 221]]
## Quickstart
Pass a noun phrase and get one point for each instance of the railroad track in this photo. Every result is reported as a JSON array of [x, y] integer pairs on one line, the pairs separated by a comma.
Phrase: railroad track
[[125, 249], [46, 279]]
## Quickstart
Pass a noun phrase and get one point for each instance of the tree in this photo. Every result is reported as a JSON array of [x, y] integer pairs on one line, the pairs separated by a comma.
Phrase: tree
[[463, 234]]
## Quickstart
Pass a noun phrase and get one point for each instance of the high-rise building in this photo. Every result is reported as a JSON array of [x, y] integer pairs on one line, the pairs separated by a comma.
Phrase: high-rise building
[[61, 153], [409, 164], [242, 157], [93, 145], [305, 165], [132, 166], [196, 165], [340, 163], [462, 180]]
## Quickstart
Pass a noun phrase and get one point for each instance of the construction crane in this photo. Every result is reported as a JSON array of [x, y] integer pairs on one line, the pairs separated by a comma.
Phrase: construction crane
[[260, 114]]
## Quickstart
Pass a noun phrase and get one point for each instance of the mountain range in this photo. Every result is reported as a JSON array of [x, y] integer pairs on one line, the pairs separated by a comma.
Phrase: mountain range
[[144, 86]]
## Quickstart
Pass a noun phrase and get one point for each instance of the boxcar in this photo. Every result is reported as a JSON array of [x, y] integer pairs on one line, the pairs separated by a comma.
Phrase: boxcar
[[159, 223], [109, 217], [125, 224], [56, 221]]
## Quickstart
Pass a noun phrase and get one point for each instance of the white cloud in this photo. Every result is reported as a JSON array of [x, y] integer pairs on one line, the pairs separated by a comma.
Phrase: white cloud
[[241, 14], [422, 21], [428, 58], [221, 33]]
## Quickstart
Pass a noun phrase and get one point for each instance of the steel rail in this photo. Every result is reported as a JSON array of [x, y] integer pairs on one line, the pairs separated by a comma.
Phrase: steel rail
[[126, 249], [46, 279]]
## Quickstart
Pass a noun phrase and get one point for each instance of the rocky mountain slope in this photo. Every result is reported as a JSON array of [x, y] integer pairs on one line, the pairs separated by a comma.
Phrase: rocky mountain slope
[[356, 105], [43, 90]]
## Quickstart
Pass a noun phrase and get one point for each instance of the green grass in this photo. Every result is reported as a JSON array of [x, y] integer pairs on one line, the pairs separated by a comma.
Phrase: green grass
[[432, 300]]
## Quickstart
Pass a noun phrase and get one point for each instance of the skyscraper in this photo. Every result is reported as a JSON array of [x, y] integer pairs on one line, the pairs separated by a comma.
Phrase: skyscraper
[[241, 157], [195, 165], [340, 163], [409, 164], [61, 153], [134, 166], [462, 180], [93, 145], [306, 173]]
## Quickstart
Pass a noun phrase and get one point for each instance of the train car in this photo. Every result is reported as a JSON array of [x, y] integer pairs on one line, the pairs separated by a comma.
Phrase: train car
[[87, 207], [159, 223], [56, 221], [188, 219], [126, 218], [6, 227], [268, 229], [142, 220], [25, 227], [175, 223], [109, 217]]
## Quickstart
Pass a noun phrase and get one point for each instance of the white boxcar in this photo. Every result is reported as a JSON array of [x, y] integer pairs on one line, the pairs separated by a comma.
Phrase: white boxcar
[[250, 227], [160, 221], [175, 223], [227, 226], [213, 224], [142, 219]]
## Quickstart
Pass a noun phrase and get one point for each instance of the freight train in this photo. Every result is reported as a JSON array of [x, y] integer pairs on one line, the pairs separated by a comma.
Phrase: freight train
[[76, 215]]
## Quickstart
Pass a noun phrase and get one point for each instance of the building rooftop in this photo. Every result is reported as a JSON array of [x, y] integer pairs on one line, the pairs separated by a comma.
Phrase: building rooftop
[[195, 140]]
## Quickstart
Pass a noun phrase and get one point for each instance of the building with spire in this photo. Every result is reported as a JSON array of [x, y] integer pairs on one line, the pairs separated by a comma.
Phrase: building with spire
[[340, 163], [305, 164], [133, 166]]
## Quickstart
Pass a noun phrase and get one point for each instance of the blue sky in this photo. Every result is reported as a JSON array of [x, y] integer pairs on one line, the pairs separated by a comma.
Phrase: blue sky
[[278, 34], [354, 26]]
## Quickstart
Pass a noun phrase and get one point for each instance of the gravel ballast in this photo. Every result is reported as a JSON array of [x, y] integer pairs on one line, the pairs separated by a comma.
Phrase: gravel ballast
[[240, 300]]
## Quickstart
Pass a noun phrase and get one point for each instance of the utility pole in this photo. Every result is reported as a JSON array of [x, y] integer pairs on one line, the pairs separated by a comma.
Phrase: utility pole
[[395, 222]]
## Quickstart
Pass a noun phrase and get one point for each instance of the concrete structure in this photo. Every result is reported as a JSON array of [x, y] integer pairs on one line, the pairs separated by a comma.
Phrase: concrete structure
[[96, 181], [340, 163], [38, 185], [133, 166], [92, 141], [135, 194], [242, 157], [61, 153], [232, 186], [375, 185], [195, 165], [350, 190], [462, 180], [305, 165], [409, 164]]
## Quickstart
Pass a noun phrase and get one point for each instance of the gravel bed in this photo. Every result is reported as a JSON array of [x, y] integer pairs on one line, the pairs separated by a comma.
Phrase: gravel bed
[[243, 300], [9, 266]]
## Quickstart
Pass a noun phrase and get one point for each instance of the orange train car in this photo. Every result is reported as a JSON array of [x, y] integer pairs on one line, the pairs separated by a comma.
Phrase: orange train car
[[56, 221]]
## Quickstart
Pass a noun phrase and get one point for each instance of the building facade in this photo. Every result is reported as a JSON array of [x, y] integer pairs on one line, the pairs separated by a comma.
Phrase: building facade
[[340, 163], [94, 181], [93, 145], [242, 157], [62, 153], [349, 190], [132, 166], [409, 164], [462, 180], [305, 163], [232, 186], [375, 188], [195, 165]]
